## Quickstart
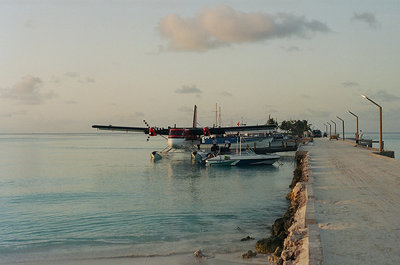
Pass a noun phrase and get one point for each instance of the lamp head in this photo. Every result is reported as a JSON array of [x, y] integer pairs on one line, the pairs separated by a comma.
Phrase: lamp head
[[364, 96]]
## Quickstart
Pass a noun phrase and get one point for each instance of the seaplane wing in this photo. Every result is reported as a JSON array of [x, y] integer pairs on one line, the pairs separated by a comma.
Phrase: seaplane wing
[[192, 131], [146, 130]]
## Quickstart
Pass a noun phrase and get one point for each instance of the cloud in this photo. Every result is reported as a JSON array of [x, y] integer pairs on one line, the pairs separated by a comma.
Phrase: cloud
[[317, 113], [55, 79], [138, 114], [392, 114], [185, 109], [226, 94], [29, 23], [291, 49], [366, 17], [287, 25], [72, 74], [223, 26], [87, 80], [385, 96], [27, 91], [12, 114], [70, 102], [188, 90], [350, 84], [82, 80]]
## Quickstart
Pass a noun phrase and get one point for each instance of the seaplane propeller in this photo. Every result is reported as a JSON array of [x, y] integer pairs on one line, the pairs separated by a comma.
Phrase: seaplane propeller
[[206, 131], [151, 130]]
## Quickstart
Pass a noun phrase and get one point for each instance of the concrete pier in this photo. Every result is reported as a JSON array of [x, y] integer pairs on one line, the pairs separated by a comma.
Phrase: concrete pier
[[354, 208]]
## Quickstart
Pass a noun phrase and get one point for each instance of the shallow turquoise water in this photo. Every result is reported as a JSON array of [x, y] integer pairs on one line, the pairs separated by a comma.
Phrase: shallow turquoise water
[[99, 195]]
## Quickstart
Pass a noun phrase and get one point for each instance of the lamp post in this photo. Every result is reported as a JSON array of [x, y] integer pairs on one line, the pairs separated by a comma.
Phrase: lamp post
[[342, 126], [380, 122], [326, 128], [330, 129], [335, 125], [356, 124]]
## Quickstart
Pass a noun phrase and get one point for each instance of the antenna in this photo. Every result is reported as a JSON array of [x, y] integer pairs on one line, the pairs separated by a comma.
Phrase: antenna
[[220, 122], [216, 114]]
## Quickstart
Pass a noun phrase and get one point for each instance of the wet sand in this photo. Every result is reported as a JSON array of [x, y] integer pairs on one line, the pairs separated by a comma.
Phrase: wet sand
[[357, 203], [180, 259]]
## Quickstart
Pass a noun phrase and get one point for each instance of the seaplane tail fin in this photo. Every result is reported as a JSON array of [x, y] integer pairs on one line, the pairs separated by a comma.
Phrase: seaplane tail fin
[[195, 116]]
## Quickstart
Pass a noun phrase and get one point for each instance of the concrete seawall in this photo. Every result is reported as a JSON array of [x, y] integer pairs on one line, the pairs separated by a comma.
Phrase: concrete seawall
[[353, 207]]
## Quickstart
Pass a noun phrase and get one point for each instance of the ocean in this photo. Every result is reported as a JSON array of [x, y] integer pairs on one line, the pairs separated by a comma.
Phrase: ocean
[[98, 198], [391, 141]]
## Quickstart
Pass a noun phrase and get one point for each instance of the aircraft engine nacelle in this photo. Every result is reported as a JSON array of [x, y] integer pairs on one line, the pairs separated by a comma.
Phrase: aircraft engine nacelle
[[152, 131], [206, 131]]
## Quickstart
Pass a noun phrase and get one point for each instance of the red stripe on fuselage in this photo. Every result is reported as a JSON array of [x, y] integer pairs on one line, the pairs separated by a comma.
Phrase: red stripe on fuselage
[[176, 133], [182, 133]]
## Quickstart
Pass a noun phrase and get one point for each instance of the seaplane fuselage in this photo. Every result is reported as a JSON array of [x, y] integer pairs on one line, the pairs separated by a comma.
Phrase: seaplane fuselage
[[182, 139]]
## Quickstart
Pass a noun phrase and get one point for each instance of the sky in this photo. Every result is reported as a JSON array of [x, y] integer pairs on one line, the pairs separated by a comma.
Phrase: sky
[[66, 65]]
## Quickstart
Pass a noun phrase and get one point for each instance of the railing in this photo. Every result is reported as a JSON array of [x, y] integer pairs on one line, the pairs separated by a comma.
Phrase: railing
[[365, 142]]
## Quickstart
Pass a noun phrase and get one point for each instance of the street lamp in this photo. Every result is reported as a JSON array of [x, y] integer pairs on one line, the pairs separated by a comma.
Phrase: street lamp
[[330, 129], [335, 126], [356, 124], [326, 128], [380, 122], [342, 125]]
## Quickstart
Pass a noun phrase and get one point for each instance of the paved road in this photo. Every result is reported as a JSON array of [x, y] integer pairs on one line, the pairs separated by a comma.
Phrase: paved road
[[357, 203]]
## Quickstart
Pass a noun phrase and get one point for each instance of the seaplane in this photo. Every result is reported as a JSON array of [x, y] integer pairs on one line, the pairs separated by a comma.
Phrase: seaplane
[[183, 138]]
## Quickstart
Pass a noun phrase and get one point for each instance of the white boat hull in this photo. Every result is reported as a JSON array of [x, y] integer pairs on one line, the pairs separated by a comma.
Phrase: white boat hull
[[242, 160], [246, 142]]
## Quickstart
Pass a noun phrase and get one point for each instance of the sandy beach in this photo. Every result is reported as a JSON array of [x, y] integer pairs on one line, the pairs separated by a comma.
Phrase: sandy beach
[[356, 198], [179, 259]]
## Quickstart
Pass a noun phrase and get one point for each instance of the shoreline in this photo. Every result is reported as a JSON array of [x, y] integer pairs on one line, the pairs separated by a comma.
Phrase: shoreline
[[289, 242]]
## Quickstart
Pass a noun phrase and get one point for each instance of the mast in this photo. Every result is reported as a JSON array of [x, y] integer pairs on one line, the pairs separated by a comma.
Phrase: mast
[[216, 114], [195, 116], [219, 123]]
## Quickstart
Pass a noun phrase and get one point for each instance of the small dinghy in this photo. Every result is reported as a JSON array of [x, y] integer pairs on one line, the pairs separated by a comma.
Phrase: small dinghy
[[247, 159]]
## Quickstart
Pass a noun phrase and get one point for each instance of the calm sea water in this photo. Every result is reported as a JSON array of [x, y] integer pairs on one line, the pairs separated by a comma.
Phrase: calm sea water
[[83, 196], [391, 141]]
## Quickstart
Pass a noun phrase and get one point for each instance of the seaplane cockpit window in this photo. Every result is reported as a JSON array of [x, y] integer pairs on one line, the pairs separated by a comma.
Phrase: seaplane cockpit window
[[177, 132]]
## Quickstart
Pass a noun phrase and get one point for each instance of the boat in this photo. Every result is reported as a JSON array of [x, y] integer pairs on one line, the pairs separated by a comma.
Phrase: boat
[[248, 140], [246, 159], [282, 141], [200, 157]]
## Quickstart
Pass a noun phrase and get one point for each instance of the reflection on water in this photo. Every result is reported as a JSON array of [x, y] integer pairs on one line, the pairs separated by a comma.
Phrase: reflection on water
[[88, 195]]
